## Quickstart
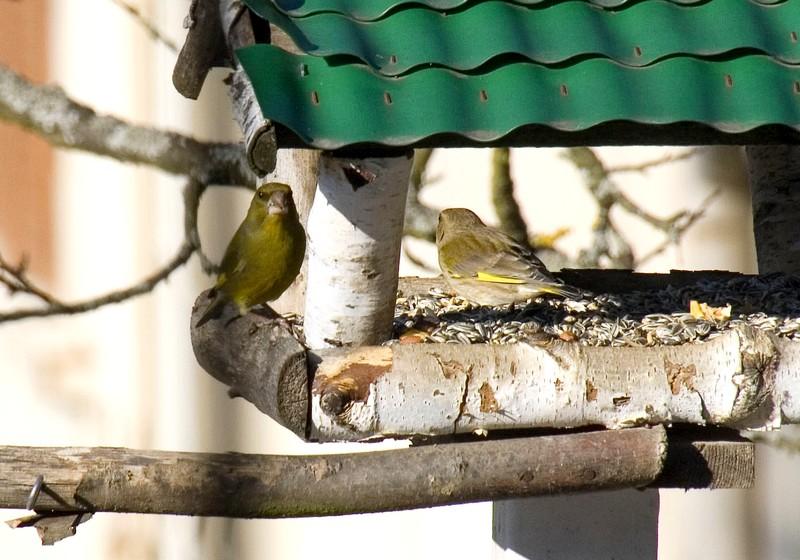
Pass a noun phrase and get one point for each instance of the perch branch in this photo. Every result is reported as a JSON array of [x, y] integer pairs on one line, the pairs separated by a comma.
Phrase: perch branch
[[269, 486], [438, 389], [15, 277], [50, 113]]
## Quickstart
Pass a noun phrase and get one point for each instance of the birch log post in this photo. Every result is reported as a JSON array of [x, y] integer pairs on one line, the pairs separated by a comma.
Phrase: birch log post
[[775, 188], [297, 168], [354, 231], [743, 378]]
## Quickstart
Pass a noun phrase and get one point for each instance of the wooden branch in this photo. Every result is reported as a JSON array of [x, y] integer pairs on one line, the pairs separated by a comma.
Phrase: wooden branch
[[354, 231], [259, 134], [203, 49], [258, 358], [269, 486], [505, 205], [49, 113], [16, 280], [775, 187], [420, 220]]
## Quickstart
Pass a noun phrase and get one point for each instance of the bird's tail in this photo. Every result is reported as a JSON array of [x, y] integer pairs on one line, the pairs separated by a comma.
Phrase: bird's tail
[[213, 310], [563, 290]]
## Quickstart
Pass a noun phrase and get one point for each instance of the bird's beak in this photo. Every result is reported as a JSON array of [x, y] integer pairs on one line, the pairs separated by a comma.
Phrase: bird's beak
[[278, 203]]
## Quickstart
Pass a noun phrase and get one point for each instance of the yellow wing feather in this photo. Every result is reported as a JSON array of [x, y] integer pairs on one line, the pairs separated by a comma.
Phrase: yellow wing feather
[[488, 277]]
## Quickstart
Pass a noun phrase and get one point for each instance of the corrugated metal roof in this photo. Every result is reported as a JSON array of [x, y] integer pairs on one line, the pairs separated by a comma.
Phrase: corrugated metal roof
[[488, 68]]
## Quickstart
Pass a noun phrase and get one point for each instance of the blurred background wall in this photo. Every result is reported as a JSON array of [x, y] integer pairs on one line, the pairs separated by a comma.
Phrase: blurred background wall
[[125, 375]]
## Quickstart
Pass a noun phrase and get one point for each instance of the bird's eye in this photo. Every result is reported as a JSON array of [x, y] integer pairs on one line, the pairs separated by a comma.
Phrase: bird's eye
[[260, 194]]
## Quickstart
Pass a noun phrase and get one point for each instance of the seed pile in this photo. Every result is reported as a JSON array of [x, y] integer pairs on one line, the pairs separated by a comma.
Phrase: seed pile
[[647, 318]]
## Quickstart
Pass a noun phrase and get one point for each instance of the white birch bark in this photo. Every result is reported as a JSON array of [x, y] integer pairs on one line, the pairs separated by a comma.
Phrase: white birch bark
[[739, 379], [354, 232]]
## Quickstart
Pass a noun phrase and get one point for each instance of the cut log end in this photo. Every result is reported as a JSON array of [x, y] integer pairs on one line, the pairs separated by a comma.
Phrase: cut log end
[[258, 357]]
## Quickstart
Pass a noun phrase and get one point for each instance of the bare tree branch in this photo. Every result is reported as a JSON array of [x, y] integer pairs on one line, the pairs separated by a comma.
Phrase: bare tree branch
[[50, 113], [420, 220], [608, 242], [154, 33], [505, 205], [678, 226], [14, 277]]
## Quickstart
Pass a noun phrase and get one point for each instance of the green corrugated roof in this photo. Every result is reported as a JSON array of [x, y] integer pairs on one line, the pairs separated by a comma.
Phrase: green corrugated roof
[[483, 69]]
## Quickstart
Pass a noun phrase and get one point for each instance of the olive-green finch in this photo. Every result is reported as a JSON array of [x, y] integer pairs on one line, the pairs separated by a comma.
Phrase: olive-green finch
[[264, 256], [487, 266]]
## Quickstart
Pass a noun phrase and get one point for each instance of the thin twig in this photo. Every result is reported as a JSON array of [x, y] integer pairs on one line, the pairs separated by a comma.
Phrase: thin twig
[[682, 222], [148, 25], [192, 193], [608, 242], [647, 165], [50, 113], [14, 277]]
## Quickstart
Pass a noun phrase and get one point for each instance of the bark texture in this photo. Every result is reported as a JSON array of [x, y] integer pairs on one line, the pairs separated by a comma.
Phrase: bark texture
[[775, 188], [258, 358], [298, 168], [438, 389]]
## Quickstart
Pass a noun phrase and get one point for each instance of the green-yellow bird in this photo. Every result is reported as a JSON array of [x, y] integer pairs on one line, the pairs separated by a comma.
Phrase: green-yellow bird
[[488, 267], [264, 255]]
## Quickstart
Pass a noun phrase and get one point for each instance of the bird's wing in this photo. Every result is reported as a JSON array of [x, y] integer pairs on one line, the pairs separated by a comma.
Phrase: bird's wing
[[506, 262], [235, 259]]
